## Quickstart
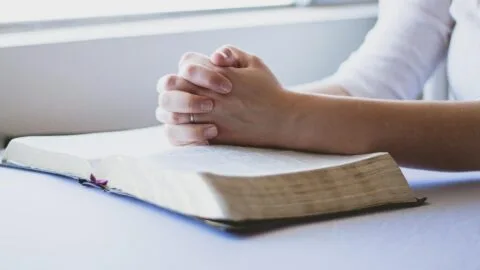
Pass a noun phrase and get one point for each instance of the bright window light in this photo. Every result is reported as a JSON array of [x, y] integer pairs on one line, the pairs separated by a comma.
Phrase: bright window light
[[21, 11]]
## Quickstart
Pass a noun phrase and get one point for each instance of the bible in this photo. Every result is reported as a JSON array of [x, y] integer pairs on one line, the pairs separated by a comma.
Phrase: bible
[[223, 185]]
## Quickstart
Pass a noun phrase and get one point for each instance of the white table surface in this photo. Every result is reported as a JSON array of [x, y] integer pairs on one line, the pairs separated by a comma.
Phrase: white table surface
[[49, 222]]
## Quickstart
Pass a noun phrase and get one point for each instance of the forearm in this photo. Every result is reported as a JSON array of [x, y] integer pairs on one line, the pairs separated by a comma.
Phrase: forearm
[[436, 135], [320, 87]]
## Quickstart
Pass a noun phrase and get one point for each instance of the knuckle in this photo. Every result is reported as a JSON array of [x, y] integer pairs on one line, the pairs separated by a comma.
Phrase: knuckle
[[175, 118], [256, 60], [190, 70], [169, 81]]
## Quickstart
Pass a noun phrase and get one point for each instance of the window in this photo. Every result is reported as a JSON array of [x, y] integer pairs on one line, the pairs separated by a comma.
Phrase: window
[[29, 11], [24, 11]]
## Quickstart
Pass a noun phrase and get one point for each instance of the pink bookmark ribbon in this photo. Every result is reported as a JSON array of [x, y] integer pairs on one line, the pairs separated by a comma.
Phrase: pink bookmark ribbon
[[100, 182]]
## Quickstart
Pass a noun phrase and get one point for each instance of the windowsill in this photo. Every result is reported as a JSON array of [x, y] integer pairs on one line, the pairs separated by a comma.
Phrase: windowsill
[[245, 19]]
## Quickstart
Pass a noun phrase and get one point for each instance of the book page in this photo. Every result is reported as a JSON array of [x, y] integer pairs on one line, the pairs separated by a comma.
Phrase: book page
[[95, 146], [245, 161], [151, 145]]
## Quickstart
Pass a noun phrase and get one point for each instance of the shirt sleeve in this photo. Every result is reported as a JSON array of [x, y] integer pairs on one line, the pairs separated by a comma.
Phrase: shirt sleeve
[[401, 51]]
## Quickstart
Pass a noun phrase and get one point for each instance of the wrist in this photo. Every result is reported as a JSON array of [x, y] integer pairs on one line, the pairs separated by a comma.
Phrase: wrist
[[291, 130], [328, 124]]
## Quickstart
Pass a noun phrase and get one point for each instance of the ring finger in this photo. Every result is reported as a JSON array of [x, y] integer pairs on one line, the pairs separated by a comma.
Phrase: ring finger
[[180, 118]]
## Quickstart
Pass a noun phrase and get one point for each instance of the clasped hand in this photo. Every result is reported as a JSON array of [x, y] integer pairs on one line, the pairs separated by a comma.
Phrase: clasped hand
[[232, 96]]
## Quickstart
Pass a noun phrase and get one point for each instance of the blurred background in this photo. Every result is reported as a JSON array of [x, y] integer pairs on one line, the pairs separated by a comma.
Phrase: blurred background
[[92, 65]]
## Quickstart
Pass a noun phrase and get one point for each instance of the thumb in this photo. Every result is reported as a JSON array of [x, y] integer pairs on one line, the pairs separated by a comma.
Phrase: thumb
[[230, 56]]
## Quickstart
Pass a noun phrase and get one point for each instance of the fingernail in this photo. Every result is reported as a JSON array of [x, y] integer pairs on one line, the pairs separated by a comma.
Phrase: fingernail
[[226, 87], [227, 52], [210, 132], [224, 55], [206, 106]]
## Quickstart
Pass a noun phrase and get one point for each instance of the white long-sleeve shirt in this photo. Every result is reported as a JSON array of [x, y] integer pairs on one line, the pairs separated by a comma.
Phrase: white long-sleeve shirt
[[409, 40]]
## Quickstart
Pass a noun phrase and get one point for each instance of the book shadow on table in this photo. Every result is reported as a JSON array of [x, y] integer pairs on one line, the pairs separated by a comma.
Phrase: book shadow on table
[[251, 228]]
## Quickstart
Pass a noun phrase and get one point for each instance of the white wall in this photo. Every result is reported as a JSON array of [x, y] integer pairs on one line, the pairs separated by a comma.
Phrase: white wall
[[110, 84]]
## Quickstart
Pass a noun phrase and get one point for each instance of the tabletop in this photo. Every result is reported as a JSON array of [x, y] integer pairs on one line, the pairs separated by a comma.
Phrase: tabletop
[[51, 222]]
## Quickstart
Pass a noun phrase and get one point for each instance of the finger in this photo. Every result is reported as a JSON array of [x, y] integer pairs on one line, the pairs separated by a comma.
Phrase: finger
[[172, 118], [218, 83], [221, 59], [230, 56], [197, 143], [175, 82], [179, 118], [190, 133], [193, 57], [206, 78], [183, 102]]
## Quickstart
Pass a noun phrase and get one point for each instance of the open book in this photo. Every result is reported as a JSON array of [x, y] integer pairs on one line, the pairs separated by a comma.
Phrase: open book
[[216, 183]]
